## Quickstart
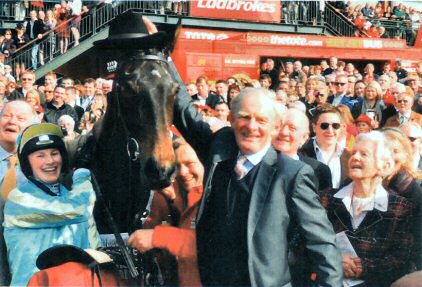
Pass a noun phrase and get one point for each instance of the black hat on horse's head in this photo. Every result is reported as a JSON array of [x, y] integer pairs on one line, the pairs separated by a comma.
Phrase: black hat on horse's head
[[129, 30]]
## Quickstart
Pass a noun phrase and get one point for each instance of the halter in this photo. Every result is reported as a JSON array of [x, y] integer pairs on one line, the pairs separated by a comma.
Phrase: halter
[[135, 154]]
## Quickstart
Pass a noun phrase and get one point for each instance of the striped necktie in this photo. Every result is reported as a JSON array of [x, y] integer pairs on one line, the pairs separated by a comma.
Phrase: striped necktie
[[10, 178], [240, 168]]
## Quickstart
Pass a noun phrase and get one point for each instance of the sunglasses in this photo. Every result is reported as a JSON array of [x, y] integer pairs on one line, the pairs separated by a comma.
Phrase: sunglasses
[[402, 101], [319, 95], [412, 139], [325, 126], [340, 84]]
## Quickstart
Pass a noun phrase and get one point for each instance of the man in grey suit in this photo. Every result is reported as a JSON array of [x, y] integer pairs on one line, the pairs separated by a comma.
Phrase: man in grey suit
[[245, 216]]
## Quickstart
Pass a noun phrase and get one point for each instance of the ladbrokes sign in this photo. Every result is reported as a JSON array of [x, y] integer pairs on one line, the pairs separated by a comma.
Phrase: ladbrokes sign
[[256, 10]]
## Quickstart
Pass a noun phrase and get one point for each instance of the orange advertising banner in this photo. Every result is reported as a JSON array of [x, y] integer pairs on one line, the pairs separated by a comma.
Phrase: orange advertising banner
[[253, 10]]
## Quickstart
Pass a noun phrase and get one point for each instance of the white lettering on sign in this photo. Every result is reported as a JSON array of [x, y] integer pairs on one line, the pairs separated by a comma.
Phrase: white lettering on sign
[[294, 41], [238, 5], [205, 36], [375, 44]]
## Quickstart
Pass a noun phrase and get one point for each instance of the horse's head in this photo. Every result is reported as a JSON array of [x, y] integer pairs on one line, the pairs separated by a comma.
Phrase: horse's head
[[145, 91]]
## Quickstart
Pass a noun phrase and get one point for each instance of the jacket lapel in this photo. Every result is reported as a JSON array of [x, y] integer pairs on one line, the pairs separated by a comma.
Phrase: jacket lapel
[[260, 189], [343, 216], [371, 218]]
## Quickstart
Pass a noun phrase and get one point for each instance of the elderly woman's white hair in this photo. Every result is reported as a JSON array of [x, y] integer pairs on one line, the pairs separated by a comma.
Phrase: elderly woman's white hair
[[383, 156], [298, 105], [66, 119]]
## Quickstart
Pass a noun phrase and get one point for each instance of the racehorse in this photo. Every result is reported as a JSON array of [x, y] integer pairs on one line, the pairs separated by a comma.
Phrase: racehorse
[[134, 153]]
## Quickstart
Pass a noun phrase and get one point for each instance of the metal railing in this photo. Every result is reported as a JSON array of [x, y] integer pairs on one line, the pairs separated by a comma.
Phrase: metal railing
[[300, 12], [337, 22], [49, 47]]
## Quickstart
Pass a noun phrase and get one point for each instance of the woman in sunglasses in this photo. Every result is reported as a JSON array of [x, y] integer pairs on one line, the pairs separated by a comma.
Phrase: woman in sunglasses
[[404, 180], [372, 225]]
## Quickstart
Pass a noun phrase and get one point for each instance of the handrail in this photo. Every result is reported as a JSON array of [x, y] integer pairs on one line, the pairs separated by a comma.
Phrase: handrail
[[43, 35], [90, 24], [338, 22]]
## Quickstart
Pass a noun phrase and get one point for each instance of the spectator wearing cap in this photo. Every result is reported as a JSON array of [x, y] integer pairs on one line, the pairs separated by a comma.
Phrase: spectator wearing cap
[[403, 104], [363, 124]]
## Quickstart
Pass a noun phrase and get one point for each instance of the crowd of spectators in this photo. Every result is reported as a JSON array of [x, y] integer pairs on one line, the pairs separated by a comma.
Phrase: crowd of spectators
[[327, 117], [370, 20]]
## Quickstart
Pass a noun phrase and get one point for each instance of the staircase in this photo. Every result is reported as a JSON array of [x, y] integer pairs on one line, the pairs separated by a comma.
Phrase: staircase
[[93, 27]]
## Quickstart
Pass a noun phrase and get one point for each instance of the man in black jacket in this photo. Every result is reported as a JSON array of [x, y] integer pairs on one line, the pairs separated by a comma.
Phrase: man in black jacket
[[57, 108], [204, 96], [34, 29], [243, 221]]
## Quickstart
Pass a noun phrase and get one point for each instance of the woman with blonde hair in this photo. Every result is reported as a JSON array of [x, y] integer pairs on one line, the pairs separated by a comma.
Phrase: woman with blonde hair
[[404, 181], [33, 98], [372, 104], [350, 132]]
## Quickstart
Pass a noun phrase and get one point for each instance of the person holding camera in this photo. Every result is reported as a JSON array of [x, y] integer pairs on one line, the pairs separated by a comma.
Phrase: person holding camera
[[57, 107]]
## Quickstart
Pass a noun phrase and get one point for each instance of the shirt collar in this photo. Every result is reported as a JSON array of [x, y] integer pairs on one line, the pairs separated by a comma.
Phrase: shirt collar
[[317, 149], [406, 115], [257, 157], [380, 198], [4, 154]]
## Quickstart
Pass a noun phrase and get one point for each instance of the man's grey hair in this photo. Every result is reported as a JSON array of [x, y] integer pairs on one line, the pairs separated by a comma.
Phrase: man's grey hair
[[256, 92], [34, 117]]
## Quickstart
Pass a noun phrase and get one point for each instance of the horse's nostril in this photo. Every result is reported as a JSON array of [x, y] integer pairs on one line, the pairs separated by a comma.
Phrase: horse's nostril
[[159, 176]]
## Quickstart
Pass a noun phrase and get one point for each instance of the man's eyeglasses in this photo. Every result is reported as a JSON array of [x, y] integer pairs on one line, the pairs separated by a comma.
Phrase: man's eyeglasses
[[402, 101], [325, 126], [331, 83], [340, 84], [412, 139]]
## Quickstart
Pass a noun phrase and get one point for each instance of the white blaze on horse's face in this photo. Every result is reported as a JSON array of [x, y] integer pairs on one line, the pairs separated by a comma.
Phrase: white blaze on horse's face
[[156, 73]]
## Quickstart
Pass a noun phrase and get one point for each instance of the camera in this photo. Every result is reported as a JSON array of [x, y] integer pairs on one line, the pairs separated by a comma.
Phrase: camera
[[372, 114], [64, 131]]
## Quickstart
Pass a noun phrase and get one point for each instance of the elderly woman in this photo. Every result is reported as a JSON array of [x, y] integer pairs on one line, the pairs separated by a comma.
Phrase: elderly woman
[[372, 104], [67, 123], [372, 224], [46, 211], [404, 181]]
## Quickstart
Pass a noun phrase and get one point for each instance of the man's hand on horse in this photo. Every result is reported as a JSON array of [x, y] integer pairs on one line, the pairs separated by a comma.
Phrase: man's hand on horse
[[168, 193], [150, 26], [142, 240]]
